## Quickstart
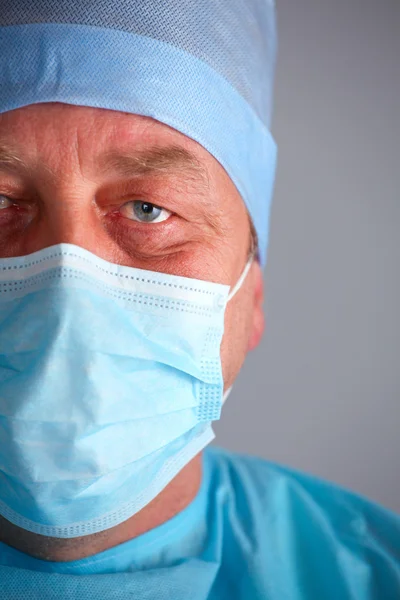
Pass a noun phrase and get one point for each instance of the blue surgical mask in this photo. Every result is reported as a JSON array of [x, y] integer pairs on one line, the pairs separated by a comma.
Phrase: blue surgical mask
[[110, 378]]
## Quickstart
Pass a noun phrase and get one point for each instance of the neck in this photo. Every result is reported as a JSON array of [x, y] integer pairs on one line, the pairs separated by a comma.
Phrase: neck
[[172, 500]]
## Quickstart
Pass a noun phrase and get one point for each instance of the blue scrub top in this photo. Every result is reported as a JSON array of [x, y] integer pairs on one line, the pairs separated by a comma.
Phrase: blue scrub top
[[254, 531]]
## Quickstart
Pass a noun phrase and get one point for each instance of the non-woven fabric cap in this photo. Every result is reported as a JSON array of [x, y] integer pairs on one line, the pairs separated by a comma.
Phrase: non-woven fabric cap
[[203, 67]]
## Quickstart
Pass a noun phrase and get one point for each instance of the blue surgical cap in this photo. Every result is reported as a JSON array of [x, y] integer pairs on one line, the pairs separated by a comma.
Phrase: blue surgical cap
[[203, 67]]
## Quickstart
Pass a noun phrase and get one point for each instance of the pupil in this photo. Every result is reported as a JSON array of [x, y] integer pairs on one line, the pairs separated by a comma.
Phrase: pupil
[[147, 208]]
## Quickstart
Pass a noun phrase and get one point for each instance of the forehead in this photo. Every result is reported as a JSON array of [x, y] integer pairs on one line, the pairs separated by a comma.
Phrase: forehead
[[51, 124]]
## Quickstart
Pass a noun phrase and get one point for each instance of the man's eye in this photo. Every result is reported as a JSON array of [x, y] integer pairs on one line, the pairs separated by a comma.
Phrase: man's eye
[[145, 212], [5, 202]]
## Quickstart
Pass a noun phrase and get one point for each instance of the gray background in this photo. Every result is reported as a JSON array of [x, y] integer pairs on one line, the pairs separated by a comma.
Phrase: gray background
[[322, 392]]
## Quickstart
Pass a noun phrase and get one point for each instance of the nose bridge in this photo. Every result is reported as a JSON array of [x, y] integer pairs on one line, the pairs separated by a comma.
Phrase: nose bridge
[[68, 212]]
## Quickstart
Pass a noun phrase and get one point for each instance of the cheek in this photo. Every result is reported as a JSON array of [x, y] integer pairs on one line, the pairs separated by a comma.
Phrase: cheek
[[235, 342]]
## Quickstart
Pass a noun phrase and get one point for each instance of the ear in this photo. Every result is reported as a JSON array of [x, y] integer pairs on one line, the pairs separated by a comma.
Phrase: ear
[[258, 324]]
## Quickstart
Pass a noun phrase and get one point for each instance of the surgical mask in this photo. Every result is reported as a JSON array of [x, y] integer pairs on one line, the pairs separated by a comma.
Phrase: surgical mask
[[110, 378]]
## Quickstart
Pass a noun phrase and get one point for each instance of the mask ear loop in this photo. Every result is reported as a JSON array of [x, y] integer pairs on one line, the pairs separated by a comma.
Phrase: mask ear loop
[[232, 293], [226, 395], [241, 279]]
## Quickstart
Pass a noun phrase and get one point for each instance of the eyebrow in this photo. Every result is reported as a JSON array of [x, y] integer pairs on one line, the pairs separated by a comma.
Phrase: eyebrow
[[154, 160], [9, 159]]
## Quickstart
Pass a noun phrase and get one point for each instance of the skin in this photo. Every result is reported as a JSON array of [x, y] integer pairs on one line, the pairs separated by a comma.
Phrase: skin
[[59, 194]]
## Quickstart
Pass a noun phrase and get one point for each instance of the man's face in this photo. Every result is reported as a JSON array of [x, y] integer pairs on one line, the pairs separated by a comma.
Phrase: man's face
[[134, 192]]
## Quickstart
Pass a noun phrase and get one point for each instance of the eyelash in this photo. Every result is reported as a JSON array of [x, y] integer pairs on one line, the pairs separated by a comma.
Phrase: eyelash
[[141, 204]]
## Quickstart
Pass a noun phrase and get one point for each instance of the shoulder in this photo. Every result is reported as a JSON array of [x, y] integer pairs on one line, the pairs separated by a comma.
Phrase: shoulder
[[297, 522], [268, 483]]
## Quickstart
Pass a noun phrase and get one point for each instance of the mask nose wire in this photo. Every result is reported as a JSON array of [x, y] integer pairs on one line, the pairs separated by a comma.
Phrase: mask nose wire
[[241, 279]]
